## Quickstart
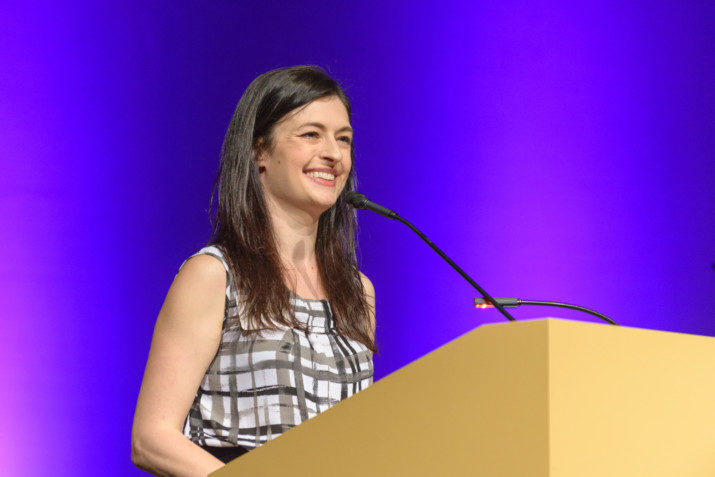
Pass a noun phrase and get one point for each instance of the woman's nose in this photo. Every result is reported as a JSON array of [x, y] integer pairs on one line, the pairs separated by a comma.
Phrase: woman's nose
[[331, 150]]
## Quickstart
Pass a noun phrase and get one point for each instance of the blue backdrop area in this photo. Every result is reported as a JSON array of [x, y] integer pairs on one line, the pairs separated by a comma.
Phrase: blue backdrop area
[[554, 151]]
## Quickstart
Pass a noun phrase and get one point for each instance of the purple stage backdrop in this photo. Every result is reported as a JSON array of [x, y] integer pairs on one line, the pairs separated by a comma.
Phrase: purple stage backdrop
[[555, 151]]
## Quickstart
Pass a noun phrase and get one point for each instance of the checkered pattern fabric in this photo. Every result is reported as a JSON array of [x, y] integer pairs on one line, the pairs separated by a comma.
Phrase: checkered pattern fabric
[[258, 387]]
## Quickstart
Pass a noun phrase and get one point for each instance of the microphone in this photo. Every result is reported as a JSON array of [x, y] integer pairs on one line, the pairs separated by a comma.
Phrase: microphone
[[359, 201]]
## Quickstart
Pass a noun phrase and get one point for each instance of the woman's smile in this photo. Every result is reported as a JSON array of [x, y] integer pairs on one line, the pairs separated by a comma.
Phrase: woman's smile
[[324, 176]]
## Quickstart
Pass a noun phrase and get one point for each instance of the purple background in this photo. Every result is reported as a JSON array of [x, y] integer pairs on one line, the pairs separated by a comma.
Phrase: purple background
[[554, 151]]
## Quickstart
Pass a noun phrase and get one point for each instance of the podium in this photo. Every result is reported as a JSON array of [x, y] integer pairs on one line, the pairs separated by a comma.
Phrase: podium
[[533, 398]]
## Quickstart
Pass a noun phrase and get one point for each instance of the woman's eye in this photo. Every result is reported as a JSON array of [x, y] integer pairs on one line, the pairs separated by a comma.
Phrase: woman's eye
[[310, 134], [346, 139]]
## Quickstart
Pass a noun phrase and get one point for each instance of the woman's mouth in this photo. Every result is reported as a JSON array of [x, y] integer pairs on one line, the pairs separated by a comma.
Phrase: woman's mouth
[[322, 177]]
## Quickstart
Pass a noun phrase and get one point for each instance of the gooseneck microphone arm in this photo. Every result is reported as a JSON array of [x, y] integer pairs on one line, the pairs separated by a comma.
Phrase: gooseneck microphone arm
[[481, 290], [358, 200]]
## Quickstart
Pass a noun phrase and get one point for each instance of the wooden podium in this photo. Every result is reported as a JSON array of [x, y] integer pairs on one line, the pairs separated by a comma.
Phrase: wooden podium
[[534, 398]]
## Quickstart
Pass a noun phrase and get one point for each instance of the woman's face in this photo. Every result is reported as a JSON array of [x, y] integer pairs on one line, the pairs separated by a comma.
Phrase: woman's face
[[306, 166]]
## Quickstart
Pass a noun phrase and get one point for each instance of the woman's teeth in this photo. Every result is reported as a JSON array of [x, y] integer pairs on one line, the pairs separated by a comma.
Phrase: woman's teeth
[[322, 175]]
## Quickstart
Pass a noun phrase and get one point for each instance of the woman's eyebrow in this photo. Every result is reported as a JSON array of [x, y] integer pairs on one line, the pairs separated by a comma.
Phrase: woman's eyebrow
[[322, 126]]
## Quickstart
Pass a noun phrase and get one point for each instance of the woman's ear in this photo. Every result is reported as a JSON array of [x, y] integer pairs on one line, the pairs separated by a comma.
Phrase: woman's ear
[[259, 154]]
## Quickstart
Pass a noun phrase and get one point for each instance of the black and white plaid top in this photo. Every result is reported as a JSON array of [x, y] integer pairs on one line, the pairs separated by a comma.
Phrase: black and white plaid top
[[258, 387]]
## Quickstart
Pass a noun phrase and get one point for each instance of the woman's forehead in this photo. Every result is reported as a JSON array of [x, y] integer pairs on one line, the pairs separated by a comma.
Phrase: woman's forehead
[[329, 111]]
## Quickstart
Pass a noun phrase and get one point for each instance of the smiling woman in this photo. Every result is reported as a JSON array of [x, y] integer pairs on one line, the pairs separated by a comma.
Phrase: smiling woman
[[314, 144], [272, 322]]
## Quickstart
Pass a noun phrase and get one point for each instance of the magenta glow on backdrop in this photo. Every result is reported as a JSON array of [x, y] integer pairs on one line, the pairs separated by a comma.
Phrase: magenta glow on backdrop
[[555, 151]]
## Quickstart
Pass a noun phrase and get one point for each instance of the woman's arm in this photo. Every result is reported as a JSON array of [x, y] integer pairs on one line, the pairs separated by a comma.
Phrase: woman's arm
[[186, 337], [370, 294]]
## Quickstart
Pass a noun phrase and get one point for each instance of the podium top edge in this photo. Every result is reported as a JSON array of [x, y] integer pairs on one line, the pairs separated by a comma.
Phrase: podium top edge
[[555, 321]]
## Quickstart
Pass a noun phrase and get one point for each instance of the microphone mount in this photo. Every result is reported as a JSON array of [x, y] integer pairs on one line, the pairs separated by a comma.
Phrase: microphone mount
[[514, 302]]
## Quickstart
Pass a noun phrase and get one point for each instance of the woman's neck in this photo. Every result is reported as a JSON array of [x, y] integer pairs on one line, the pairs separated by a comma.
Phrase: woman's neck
[[296, 232]]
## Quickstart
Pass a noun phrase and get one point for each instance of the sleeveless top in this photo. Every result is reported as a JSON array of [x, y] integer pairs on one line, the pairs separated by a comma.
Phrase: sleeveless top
[[257, 387]]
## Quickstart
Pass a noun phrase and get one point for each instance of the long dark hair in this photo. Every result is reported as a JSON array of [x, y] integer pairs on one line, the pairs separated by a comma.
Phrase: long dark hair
[[242, 227]]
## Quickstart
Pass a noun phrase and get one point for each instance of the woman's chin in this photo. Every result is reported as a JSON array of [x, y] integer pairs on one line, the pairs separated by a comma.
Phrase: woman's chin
[[321, 204]]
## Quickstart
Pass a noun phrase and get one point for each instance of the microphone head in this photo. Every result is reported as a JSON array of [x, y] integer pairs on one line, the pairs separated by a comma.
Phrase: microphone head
[[356, 199]]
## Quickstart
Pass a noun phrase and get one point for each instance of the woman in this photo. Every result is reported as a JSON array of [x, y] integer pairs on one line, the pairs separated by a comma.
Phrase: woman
[[272, 323]]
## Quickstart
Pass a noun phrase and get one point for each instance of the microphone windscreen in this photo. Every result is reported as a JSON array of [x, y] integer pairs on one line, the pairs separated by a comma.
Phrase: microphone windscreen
[[356, 199]]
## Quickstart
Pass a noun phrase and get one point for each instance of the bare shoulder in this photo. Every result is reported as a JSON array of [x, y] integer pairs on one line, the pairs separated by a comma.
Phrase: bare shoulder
[[202, 269], [198, 291], [201, 274], [370, 295], [367, 284]]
